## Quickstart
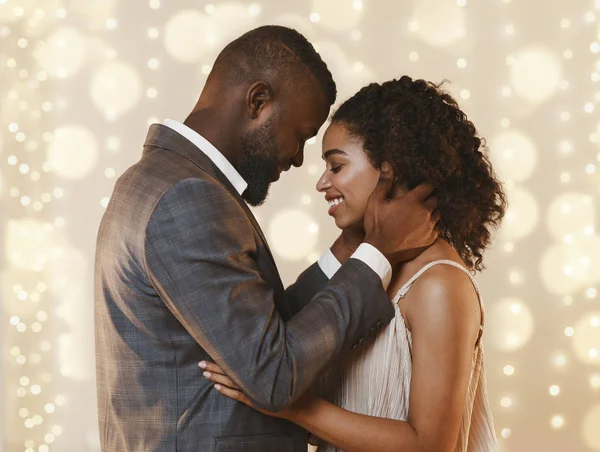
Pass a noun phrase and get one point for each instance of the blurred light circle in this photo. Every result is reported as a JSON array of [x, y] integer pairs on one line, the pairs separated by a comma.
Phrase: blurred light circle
[[590, 430], [337, 15], [63, 53], [439, 22], [570, 214], [115, 88], [510, 324], [12, 301], [231, 20], [587, 254], [566, 268], [40, 22], [7, 13], [292, 234], [20, 92], [14, 11], [297, 23], [29, 244], [557, 271], [350, 76], [535, 73], [95, 12], [191, 36], [513, 155], [67, 272], [69, 281], [73, 153], [1, 157], [522, 214], [334, 56], [188, 36], [586, 340]]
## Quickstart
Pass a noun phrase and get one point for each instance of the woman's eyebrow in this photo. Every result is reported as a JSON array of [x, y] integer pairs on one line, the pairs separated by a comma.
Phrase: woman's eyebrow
[[331, 152]]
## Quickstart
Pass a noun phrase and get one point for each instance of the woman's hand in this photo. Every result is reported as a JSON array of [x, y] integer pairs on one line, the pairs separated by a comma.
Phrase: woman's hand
[[228, 388]]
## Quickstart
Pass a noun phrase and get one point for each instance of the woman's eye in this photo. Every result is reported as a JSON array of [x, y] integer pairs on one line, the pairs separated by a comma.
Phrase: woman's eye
[[336, 169]]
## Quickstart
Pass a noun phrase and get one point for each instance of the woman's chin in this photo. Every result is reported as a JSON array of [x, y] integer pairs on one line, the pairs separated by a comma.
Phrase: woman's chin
[[339, 222], [343, 222]]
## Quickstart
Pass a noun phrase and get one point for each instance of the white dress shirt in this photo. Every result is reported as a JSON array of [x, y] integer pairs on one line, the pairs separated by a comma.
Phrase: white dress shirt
[[211, 152], [328, 263]]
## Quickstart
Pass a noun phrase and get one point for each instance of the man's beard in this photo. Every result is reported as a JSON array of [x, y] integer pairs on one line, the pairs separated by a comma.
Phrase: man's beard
[[259, 164]]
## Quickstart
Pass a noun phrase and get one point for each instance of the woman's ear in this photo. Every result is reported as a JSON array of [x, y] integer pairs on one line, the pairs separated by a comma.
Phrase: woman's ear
[[387, 172]]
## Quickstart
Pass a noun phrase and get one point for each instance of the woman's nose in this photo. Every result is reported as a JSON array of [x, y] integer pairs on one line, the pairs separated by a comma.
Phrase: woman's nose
[[323, 183]]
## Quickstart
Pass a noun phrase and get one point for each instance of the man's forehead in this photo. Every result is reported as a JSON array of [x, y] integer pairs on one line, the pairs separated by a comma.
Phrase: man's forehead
[[314, 106]]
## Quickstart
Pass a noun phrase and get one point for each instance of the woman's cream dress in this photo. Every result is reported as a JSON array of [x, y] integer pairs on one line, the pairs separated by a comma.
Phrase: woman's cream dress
[[376, 380]]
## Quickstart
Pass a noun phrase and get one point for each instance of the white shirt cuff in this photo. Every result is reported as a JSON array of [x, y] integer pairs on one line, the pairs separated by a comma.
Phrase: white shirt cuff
[[377, 261], [329, 264], [366, 253]]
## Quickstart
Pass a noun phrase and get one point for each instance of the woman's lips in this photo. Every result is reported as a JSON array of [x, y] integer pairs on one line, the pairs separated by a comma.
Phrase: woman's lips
[[336, 206]]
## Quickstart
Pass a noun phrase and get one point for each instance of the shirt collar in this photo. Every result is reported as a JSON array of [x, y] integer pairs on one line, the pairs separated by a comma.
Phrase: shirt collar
[[211, 152]]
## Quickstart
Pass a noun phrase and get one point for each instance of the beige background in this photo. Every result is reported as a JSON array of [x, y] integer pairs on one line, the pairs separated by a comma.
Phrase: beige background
[[81, 80]]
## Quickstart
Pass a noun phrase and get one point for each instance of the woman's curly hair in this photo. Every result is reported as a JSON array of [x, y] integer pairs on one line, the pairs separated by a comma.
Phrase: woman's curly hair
[[419, 129]]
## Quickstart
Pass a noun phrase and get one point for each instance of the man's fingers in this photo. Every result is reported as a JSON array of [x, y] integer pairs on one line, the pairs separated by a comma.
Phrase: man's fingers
[[422, 191], [383, 189], [431, 203], [435, 216]]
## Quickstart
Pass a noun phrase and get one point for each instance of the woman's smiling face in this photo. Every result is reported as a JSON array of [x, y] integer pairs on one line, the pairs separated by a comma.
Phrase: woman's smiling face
[[349, 177]]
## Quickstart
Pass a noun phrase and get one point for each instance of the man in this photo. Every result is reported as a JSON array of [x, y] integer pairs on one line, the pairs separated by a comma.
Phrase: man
[[184, 273]]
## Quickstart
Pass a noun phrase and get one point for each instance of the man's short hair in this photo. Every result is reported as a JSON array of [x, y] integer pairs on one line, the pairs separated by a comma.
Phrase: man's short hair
[[274, 51]]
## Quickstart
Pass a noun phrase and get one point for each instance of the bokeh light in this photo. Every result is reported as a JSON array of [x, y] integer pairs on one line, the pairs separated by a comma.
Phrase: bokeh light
[[95, 13], [510, 324], [352, 75], [522, 214], [571, 216], [513, 155], [289, 224], [115, 88], [192, 36], [63, 53], [73, 153], [565, 268], [535, 73], [439, 23], [586, 338], [29, 244], [338, 15], [590, 431]]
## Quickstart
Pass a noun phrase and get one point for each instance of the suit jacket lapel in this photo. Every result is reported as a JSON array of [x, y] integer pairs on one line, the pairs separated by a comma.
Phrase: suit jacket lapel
[[164, 137]]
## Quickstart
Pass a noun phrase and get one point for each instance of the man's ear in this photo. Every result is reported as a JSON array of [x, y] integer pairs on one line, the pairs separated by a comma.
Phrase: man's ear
[[258, 98]]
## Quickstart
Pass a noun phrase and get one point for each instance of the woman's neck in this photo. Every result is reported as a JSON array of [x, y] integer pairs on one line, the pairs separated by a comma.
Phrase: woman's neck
[[440, 249]]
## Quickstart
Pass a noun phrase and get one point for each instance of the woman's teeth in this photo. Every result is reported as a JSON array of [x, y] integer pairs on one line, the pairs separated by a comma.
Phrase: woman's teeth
[[335, 202]]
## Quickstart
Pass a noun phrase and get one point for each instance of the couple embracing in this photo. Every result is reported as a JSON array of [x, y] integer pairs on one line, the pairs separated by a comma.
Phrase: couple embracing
[[376, 347]]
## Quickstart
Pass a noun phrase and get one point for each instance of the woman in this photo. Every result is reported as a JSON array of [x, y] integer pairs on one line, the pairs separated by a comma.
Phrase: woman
[[420, 384]]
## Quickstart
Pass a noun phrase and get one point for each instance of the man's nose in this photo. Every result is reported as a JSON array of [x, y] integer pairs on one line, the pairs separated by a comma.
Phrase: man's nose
[[298, 158]]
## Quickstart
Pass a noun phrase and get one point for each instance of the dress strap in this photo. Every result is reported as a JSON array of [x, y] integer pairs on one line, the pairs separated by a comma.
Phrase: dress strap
[[406, 287]]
